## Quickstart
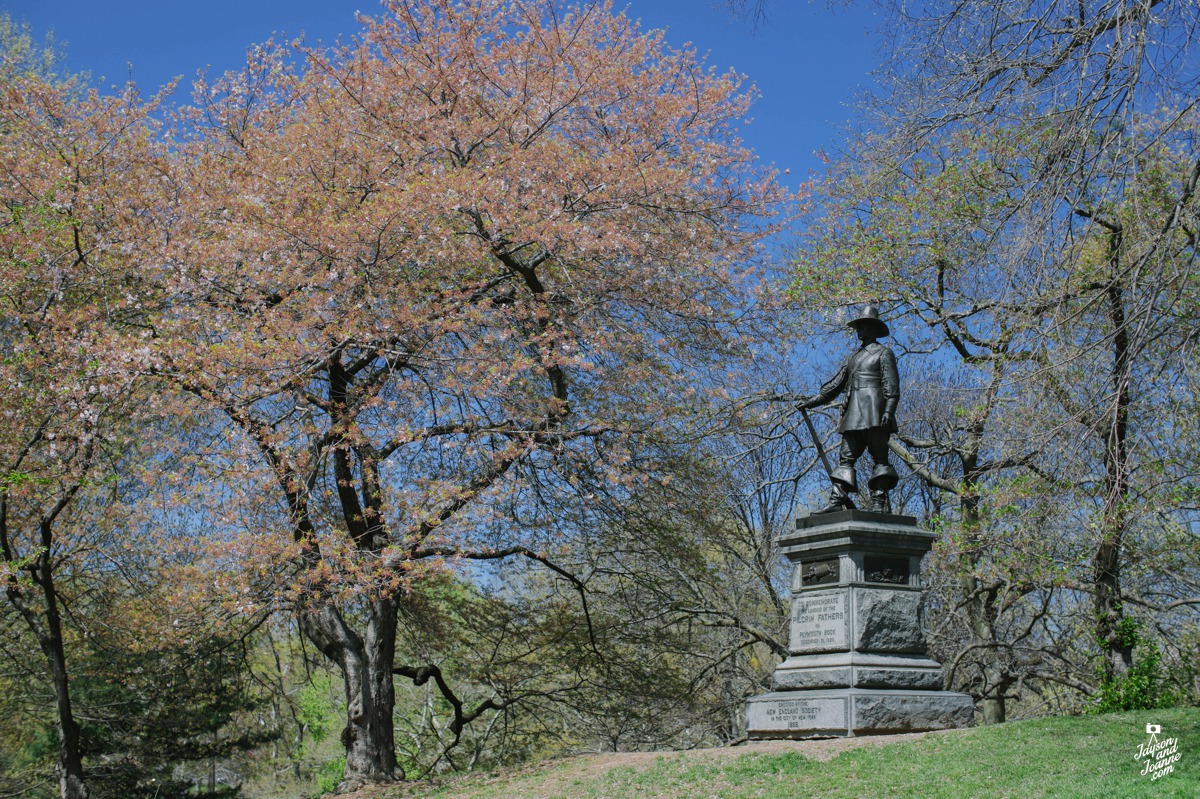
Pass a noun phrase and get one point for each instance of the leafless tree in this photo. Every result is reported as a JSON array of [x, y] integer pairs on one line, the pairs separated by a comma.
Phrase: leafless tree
[[1056, 145]]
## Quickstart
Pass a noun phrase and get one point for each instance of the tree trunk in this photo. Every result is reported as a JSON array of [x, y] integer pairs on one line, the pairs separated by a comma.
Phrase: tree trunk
[[992, 706], [1106, 564], [980, 605], [992, 709], [366, 663], [990, 697], [71, 784]]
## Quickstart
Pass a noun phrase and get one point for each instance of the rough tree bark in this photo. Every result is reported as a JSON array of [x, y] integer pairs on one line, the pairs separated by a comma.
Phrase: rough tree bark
[[367, 662], [1106, 563], [46, 626]]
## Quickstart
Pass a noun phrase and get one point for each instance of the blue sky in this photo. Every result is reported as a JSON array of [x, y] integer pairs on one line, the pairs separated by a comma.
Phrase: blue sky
[[806, 60]]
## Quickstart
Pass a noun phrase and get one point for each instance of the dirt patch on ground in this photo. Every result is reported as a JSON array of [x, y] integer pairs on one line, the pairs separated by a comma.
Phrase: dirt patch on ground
[[369, 792], [558, 775], [827, 748], [822, 750]]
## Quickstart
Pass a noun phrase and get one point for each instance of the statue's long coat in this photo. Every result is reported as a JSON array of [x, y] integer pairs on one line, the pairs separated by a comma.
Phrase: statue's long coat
[[872, 387]]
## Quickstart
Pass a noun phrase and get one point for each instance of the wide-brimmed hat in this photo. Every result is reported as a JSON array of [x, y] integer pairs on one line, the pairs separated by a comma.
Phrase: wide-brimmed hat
[[870, 316]]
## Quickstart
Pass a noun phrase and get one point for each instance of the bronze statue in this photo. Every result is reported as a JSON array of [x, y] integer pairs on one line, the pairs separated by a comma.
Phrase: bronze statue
[[872, 387]]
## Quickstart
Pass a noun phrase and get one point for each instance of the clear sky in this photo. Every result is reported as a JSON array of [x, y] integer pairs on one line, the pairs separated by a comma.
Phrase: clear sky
[[806, 60]]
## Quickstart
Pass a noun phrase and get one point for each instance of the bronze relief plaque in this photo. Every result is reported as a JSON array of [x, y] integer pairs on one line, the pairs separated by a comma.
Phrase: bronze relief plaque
[[880, 569], [819, 572]]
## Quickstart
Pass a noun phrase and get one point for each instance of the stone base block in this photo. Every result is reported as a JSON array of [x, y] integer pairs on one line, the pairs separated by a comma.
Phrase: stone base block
[[858, 670], [854, 711]]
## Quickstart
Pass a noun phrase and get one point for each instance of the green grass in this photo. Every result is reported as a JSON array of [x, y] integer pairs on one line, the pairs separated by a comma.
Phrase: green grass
[[1064, 758]]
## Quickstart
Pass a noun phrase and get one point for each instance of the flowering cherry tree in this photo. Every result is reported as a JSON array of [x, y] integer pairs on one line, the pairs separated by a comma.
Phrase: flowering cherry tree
[[74, 169], [440, 276]]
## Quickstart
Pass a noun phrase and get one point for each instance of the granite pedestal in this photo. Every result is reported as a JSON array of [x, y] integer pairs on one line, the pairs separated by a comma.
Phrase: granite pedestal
[[858, 663]]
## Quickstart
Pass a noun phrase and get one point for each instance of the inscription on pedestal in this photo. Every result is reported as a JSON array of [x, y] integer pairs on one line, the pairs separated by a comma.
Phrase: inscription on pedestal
[[820, 622], [778, 712]]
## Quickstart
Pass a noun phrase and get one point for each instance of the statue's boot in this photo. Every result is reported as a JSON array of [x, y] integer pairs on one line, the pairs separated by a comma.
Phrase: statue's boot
[[883, 479], [844, 483], [835, 504]]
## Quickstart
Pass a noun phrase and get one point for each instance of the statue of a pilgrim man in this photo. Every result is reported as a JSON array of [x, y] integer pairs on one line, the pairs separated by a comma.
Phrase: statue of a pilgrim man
[[872, 387]]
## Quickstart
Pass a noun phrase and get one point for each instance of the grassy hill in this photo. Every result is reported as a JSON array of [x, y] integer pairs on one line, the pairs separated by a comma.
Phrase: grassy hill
[[1091, 756]]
